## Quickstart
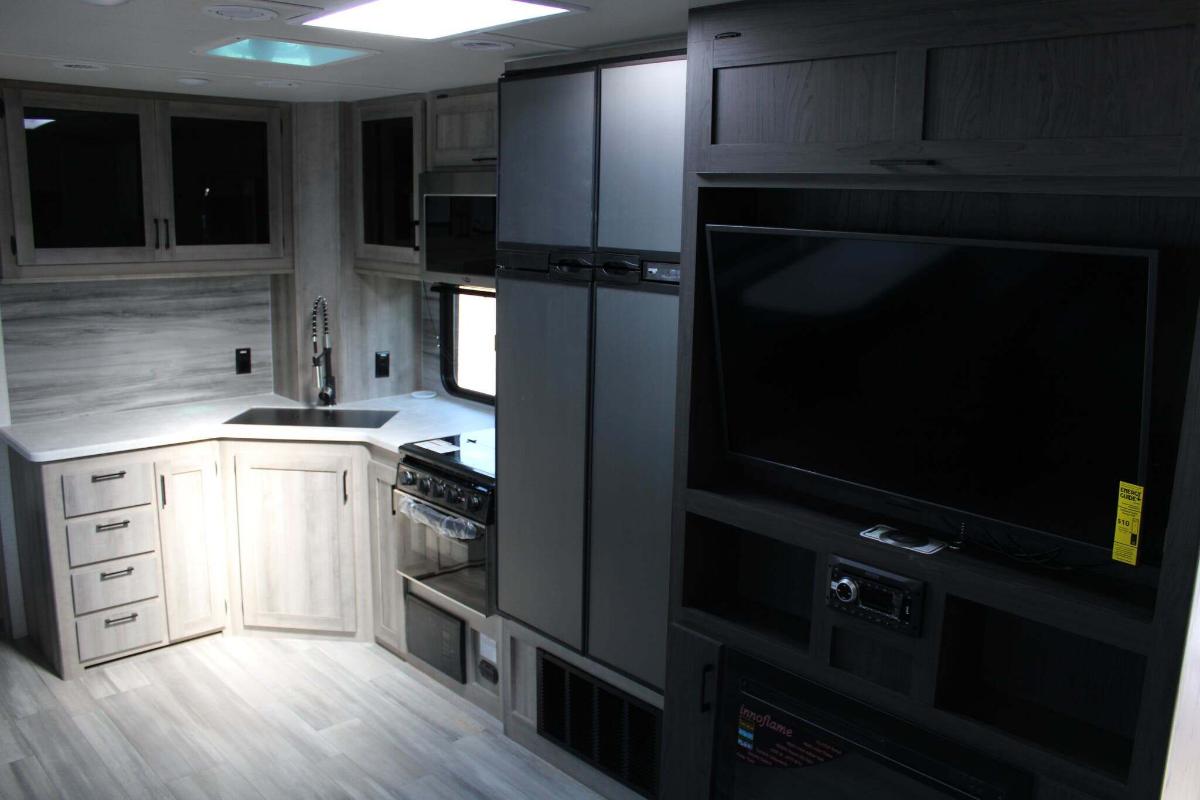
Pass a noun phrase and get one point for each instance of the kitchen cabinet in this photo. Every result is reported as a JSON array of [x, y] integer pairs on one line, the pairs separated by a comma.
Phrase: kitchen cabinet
[[542, 337], [546, 174], [191, 527], [388, 158], [463, 129], [1055, 88], [387, 584], [107, 185], [296, 532], [641, 157], [689, 716]]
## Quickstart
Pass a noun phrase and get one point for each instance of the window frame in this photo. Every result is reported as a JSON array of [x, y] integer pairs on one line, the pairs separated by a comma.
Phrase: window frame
[[447, 350]]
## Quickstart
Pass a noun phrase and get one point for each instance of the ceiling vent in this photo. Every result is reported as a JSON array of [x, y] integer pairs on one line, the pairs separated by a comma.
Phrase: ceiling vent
[[277, 84], [240, 13], [483, 45], [80, 66]]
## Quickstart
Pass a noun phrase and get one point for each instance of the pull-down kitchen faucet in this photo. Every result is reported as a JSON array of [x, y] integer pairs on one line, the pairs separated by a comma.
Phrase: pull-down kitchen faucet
[[323, 358]]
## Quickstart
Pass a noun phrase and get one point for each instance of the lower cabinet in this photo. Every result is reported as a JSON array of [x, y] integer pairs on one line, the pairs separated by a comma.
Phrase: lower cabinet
[[387, 584], [192, 535], [689, 716], [297, 535]]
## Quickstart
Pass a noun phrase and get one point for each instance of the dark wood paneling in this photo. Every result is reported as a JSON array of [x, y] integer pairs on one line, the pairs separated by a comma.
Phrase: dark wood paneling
[[823, 100], [1109, 85]]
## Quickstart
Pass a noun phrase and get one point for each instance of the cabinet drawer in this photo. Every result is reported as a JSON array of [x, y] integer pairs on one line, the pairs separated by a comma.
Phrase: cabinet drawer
[[115, 583], [106, 488], [107, 536], [120, 629]]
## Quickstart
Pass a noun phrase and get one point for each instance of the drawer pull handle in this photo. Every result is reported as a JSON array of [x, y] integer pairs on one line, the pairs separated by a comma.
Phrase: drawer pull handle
[[121, 620], [121, 573], [110, 476], [903, 162], [112, 526]]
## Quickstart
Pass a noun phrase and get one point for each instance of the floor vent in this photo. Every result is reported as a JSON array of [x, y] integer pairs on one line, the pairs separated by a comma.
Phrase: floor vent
[[609, 729]]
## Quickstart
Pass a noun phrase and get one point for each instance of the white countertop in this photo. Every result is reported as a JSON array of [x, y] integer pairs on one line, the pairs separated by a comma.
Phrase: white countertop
[[100, 434]]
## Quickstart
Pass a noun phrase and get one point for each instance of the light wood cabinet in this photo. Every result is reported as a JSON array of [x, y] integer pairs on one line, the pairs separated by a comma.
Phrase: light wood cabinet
[[192, 534], [463, 129], [105, 185], [297, 536], [387, 584], [388, 157]]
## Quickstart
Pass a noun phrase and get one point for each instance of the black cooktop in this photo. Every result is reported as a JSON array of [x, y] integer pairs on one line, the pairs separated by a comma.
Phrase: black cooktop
[[473, 453]]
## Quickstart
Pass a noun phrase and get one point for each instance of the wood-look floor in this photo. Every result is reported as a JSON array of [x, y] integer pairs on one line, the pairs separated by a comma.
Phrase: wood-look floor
[[226, 717]]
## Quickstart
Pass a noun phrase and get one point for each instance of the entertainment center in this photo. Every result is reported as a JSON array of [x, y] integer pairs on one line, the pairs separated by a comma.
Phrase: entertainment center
[[940, 275]]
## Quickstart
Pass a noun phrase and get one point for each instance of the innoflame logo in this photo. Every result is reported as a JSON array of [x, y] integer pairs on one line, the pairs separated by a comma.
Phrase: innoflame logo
[[763, 721]]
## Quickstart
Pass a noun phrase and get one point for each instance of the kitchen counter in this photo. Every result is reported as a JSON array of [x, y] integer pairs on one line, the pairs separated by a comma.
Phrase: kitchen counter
[[100, 434]]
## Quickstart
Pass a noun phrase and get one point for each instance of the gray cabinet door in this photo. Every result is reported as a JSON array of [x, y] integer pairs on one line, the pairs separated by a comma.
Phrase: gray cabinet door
[[641, 156], [541, 438], [633, 421], [547, 159]]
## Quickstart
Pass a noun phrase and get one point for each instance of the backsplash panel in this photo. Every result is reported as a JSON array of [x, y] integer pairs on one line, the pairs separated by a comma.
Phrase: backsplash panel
[[81, 348]]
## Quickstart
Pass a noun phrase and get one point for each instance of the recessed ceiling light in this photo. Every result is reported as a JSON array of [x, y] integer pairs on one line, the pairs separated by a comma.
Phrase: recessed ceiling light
[[422, 19], [188, 80], [32, 123], [81, 66], [240, 13], [277, 84], [482, 45], [279, 51]]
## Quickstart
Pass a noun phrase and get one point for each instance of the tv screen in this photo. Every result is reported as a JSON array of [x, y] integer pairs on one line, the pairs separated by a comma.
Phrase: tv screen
[[460, 234], [1001, 385]]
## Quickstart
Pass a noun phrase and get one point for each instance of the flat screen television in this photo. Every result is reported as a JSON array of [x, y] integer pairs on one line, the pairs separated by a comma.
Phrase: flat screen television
[[998, 389], [460, 233]]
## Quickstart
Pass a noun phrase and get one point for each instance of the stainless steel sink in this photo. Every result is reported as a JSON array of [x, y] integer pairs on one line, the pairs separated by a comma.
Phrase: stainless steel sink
[[313, 418]]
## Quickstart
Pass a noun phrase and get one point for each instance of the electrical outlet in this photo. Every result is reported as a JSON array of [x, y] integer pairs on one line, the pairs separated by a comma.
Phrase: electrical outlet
[[241, 360], [383, 363]]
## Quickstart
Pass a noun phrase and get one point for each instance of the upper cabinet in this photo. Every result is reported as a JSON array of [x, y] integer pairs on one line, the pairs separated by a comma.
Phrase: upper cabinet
[[641, 156], [388, 147], [106, 185], [463, 129], [1065, 87], [547, 161]]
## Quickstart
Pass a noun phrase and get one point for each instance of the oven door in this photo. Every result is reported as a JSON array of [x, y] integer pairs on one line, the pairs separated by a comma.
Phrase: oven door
[[445, 552], [781, 736]]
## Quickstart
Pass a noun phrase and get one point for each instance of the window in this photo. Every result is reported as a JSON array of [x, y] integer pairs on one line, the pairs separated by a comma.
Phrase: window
[[468, 342]]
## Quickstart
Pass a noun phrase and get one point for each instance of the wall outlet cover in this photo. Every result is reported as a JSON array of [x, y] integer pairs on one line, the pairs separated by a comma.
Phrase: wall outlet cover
[[241, 360], [383, 364]]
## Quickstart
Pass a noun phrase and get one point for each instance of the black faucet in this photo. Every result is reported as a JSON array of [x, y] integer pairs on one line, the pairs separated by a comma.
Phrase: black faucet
[[323, 357]]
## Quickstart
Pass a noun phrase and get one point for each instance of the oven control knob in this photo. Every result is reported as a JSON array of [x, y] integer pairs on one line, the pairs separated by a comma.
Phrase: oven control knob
[[407, 479], [423, 485], [846, 590], [439, 489], [453, 496], [475, 503]]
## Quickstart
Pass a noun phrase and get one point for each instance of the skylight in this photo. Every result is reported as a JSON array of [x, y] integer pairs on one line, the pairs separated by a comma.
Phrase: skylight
[[433, 19], [279, 51], [32, 123]]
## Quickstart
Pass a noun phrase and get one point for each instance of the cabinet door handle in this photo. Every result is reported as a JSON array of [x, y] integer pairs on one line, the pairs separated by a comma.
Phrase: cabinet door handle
[[345, 489], [119, 620], [112, 526], [157, 235], [705, 705], [167, 236], [162, 485], [121, 573], [903, 162], [108, 476], [481, 159]]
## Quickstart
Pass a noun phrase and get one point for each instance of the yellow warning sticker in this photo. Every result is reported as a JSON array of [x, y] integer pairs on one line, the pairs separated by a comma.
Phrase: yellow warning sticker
[[1129, 523]]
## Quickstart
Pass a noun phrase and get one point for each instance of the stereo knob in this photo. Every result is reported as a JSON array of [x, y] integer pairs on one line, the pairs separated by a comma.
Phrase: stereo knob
[[846, 590]]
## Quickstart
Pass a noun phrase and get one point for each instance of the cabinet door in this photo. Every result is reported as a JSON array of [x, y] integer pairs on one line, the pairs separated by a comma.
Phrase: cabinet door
[[632, 459], [387, 584], [223, 184], [689, 716], [541, 457], [192, 531], [462, 130], [83, 178], [296, 538], [641, 157], [547, 160], [388, 148]]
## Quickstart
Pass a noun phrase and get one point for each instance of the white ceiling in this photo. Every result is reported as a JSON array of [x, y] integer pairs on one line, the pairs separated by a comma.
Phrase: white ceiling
[[147, 45]]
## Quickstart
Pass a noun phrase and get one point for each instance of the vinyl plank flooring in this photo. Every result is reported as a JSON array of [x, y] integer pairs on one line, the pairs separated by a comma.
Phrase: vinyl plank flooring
[[260, 719]]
